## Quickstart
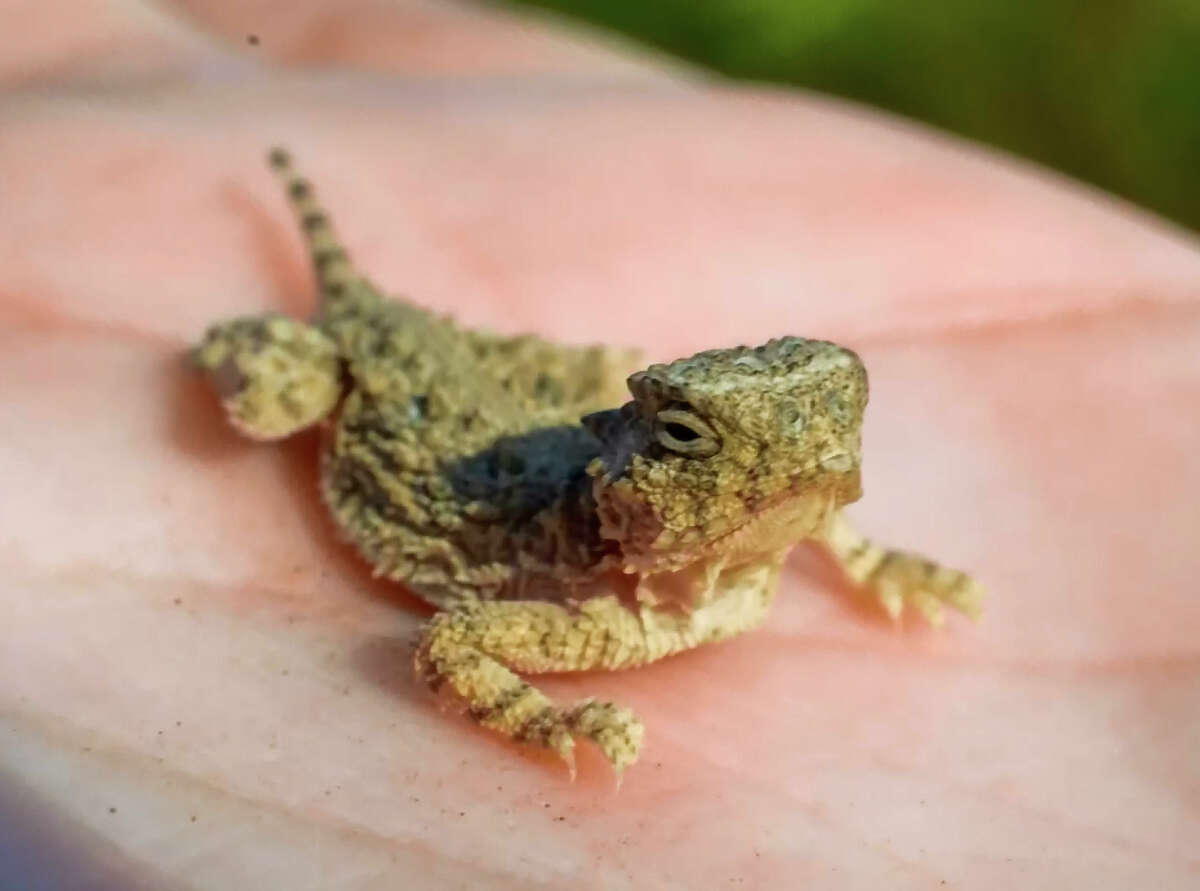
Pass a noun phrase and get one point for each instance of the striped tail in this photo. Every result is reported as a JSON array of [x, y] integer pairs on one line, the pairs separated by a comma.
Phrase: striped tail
[[332, 264]]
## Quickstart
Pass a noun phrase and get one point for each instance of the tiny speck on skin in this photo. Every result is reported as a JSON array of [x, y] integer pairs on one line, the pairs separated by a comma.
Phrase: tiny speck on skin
[[178, 601], [192, 819], [112, 810], [252, 39]]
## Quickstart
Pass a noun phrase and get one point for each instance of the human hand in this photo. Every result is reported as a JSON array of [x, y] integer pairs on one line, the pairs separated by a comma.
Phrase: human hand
[[201, 686]]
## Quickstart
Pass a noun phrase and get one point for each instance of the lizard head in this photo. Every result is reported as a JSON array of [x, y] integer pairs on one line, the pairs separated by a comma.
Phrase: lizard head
[[729, 453]]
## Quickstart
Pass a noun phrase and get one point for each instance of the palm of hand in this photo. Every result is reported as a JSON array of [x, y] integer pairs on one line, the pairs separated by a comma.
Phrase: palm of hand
[[184, 638]]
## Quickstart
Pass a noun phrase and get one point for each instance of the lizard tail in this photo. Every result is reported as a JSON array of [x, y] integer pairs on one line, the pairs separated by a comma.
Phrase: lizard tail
[[329, 258]]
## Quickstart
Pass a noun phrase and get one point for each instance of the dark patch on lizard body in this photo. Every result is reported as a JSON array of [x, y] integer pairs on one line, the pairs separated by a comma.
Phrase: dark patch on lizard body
[[457, 459]]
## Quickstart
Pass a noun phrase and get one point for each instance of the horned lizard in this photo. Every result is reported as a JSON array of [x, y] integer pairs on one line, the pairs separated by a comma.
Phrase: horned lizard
[[551, 531]]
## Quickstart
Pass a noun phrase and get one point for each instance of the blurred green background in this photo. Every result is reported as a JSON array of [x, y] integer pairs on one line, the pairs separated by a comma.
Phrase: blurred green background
[[1105, 90]]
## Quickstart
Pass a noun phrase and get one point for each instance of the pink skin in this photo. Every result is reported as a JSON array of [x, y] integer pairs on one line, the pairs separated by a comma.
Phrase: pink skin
[[182, 639]]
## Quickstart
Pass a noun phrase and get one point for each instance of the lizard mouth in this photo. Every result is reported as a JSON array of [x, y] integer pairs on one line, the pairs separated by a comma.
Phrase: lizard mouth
[[775, 512], [798, 510]]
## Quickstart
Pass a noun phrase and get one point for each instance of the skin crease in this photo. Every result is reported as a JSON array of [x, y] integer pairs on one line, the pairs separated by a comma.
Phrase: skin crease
[[199, 685]]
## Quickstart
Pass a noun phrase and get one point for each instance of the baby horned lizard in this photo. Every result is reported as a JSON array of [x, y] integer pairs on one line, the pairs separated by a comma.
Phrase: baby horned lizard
[[552, 531]]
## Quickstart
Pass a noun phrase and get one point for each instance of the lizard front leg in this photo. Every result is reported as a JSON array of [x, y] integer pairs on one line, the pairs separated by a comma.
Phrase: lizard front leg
[[471, 651], [474, 651], [897, 578]]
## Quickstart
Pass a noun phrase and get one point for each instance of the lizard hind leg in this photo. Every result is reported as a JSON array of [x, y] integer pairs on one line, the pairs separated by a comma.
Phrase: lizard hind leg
[[274, 375]]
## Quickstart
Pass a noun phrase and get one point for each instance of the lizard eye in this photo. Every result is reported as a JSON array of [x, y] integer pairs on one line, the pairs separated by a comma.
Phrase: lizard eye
[[683, 432]]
